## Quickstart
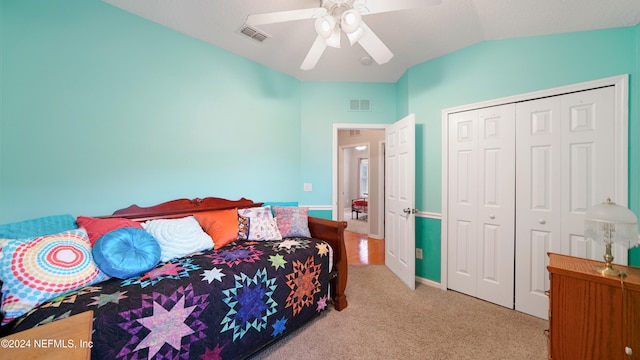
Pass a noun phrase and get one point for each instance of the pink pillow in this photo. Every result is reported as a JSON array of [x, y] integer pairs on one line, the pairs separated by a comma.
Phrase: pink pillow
[[97, 227], [293, 221]]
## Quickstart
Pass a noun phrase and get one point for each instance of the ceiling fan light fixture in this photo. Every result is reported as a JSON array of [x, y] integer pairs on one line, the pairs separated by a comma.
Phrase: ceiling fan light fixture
[[350, 21], [325, 26]]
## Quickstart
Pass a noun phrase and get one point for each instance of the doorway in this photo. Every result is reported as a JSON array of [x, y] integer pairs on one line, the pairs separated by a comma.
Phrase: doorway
[[359, 151], [392, 205], [354, 187], [359, 190]]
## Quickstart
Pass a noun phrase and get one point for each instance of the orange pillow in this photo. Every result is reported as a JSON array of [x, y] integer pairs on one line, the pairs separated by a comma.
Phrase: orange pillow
[[221, 225]]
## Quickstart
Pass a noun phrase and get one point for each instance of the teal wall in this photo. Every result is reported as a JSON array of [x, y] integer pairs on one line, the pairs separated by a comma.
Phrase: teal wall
[[428, 239], [100, 108], [98, 116], [496, 69], [325, 104]]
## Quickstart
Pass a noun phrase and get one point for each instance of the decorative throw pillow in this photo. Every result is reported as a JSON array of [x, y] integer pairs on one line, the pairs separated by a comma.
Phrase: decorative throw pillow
[[41, 226], [243, 227], [263, 211], [178, 237], [39, 269], [126, 252], [98, 227], [263, 228], [292, 221], [221, 225]]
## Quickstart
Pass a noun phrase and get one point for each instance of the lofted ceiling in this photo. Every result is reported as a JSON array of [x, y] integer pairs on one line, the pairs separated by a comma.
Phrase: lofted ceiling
[[414, 36]]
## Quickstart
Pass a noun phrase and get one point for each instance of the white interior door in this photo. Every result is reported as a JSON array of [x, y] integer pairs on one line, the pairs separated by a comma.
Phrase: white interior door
[[496, 189], [538, 221], [400, 199], [463, 202], [566, 163], [588, 159], [481, 203]]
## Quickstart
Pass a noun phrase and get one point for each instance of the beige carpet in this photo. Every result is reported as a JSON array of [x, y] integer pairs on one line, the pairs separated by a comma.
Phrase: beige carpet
[[386, 320], [360, 226]]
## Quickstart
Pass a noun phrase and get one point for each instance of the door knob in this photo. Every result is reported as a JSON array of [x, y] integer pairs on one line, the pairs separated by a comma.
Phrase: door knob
[[491, 216], [406, 211], [542, 221]]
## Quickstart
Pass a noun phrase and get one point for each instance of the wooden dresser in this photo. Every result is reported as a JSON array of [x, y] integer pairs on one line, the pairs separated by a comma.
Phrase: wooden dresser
[[592, 316]]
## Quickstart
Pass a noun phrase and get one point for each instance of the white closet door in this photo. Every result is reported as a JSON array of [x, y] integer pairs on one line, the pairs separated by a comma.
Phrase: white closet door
[[538, 179], [564, 166], [463, 202], [588, 160], [481, 203], [496, 180]]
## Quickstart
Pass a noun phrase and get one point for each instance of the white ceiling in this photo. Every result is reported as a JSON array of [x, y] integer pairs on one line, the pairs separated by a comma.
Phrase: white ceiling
[[414, 36]]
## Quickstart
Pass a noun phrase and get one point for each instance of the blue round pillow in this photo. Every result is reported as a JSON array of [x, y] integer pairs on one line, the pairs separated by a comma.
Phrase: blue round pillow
[[126, 252]]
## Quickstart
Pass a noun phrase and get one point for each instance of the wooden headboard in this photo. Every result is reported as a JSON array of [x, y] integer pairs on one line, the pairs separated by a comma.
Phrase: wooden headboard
[[180, 208]]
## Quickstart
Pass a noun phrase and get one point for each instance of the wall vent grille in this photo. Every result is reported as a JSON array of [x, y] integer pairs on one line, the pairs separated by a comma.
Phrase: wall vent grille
[[253, 33], [359, 105], [354, 132]]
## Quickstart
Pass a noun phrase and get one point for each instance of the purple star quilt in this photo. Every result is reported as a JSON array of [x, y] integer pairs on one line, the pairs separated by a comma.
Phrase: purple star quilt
[[217, 304]]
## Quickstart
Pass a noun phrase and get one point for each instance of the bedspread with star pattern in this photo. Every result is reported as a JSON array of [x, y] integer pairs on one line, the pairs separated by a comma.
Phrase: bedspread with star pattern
[[217, 304]]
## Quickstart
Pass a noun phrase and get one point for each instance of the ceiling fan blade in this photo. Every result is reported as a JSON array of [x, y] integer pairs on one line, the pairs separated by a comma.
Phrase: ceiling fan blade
[[284, 16], [372, 44], [314, 54], [379, 6]]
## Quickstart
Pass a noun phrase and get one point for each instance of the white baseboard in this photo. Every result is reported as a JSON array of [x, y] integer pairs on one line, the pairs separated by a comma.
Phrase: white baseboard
[[428, 282]]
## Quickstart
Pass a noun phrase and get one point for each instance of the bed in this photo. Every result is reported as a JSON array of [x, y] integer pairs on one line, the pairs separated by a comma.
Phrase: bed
[[226, 303]]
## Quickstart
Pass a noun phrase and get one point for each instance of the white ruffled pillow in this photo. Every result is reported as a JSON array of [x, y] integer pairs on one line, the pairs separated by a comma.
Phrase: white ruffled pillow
[[263, 228], [178, 237]]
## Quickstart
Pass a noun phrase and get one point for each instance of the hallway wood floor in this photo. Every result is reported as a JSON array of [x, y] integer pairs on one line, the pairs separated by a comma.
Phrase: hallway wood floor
[[362, 249]]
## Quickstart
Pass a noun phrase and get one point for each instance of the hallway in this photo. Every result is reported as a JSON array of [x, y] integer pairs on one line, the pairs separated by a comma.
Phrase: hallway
[[363, 250]]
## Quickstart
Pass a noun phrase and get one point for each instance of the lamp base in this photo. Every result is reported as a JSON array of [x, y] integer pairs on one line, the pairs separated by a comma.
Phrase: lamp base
[[609, 271]]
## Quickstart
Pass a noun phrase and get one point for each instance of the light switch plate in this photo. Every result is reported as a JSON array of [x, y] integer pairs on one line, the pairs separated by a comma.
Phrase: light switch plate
[[308, 187]]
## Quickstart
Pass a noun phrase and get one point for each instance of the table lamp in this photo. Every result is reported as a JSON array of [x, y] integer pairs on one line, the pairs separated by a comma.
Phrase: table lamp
[[609, 223]]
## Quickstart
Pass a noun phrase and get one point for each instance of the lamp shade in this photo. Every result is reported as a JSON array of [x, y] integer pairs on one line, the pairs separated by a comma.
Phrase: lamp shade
[[325, 26], [350, 21], [611, 223]]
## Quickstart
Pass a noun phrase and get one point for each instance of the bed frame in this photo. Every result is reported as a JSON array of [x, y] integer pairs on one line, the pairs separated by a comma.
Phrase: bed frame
[[328, 230]]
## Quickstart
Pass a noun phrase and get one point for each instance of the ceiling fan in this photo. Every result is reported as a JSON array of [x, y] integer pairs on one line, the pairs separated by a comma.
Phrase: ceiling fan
[[335, 17]]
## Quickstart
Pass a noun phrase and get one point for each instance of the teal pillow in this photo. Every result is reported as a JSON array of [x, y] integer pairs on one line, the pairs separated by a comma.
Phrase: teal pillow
[[46, 225], [126, 252]]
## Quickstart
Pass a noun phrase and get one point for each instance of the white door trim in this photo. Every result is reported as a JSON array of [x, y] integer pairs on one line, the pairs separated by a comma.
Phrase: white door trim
[[378, 233], [621, 85]]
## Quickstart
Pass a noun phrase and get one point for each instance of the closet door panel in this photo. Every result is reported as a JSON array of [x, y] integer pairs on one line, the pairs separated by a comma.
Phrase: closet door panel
[[463, 203], [481, 202], [588, 150], [496, 166], [538, 224], [566, 163]]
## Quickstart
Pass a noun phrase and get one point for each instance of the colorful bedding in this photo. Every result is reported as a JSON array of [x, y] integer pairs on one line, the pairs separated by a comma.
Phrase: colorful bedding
[[216, 304]]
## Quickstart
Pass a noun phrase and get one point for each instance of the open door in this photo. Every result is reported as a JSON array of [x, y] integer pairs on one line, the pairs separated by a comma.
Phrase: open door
[[400, 173]]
